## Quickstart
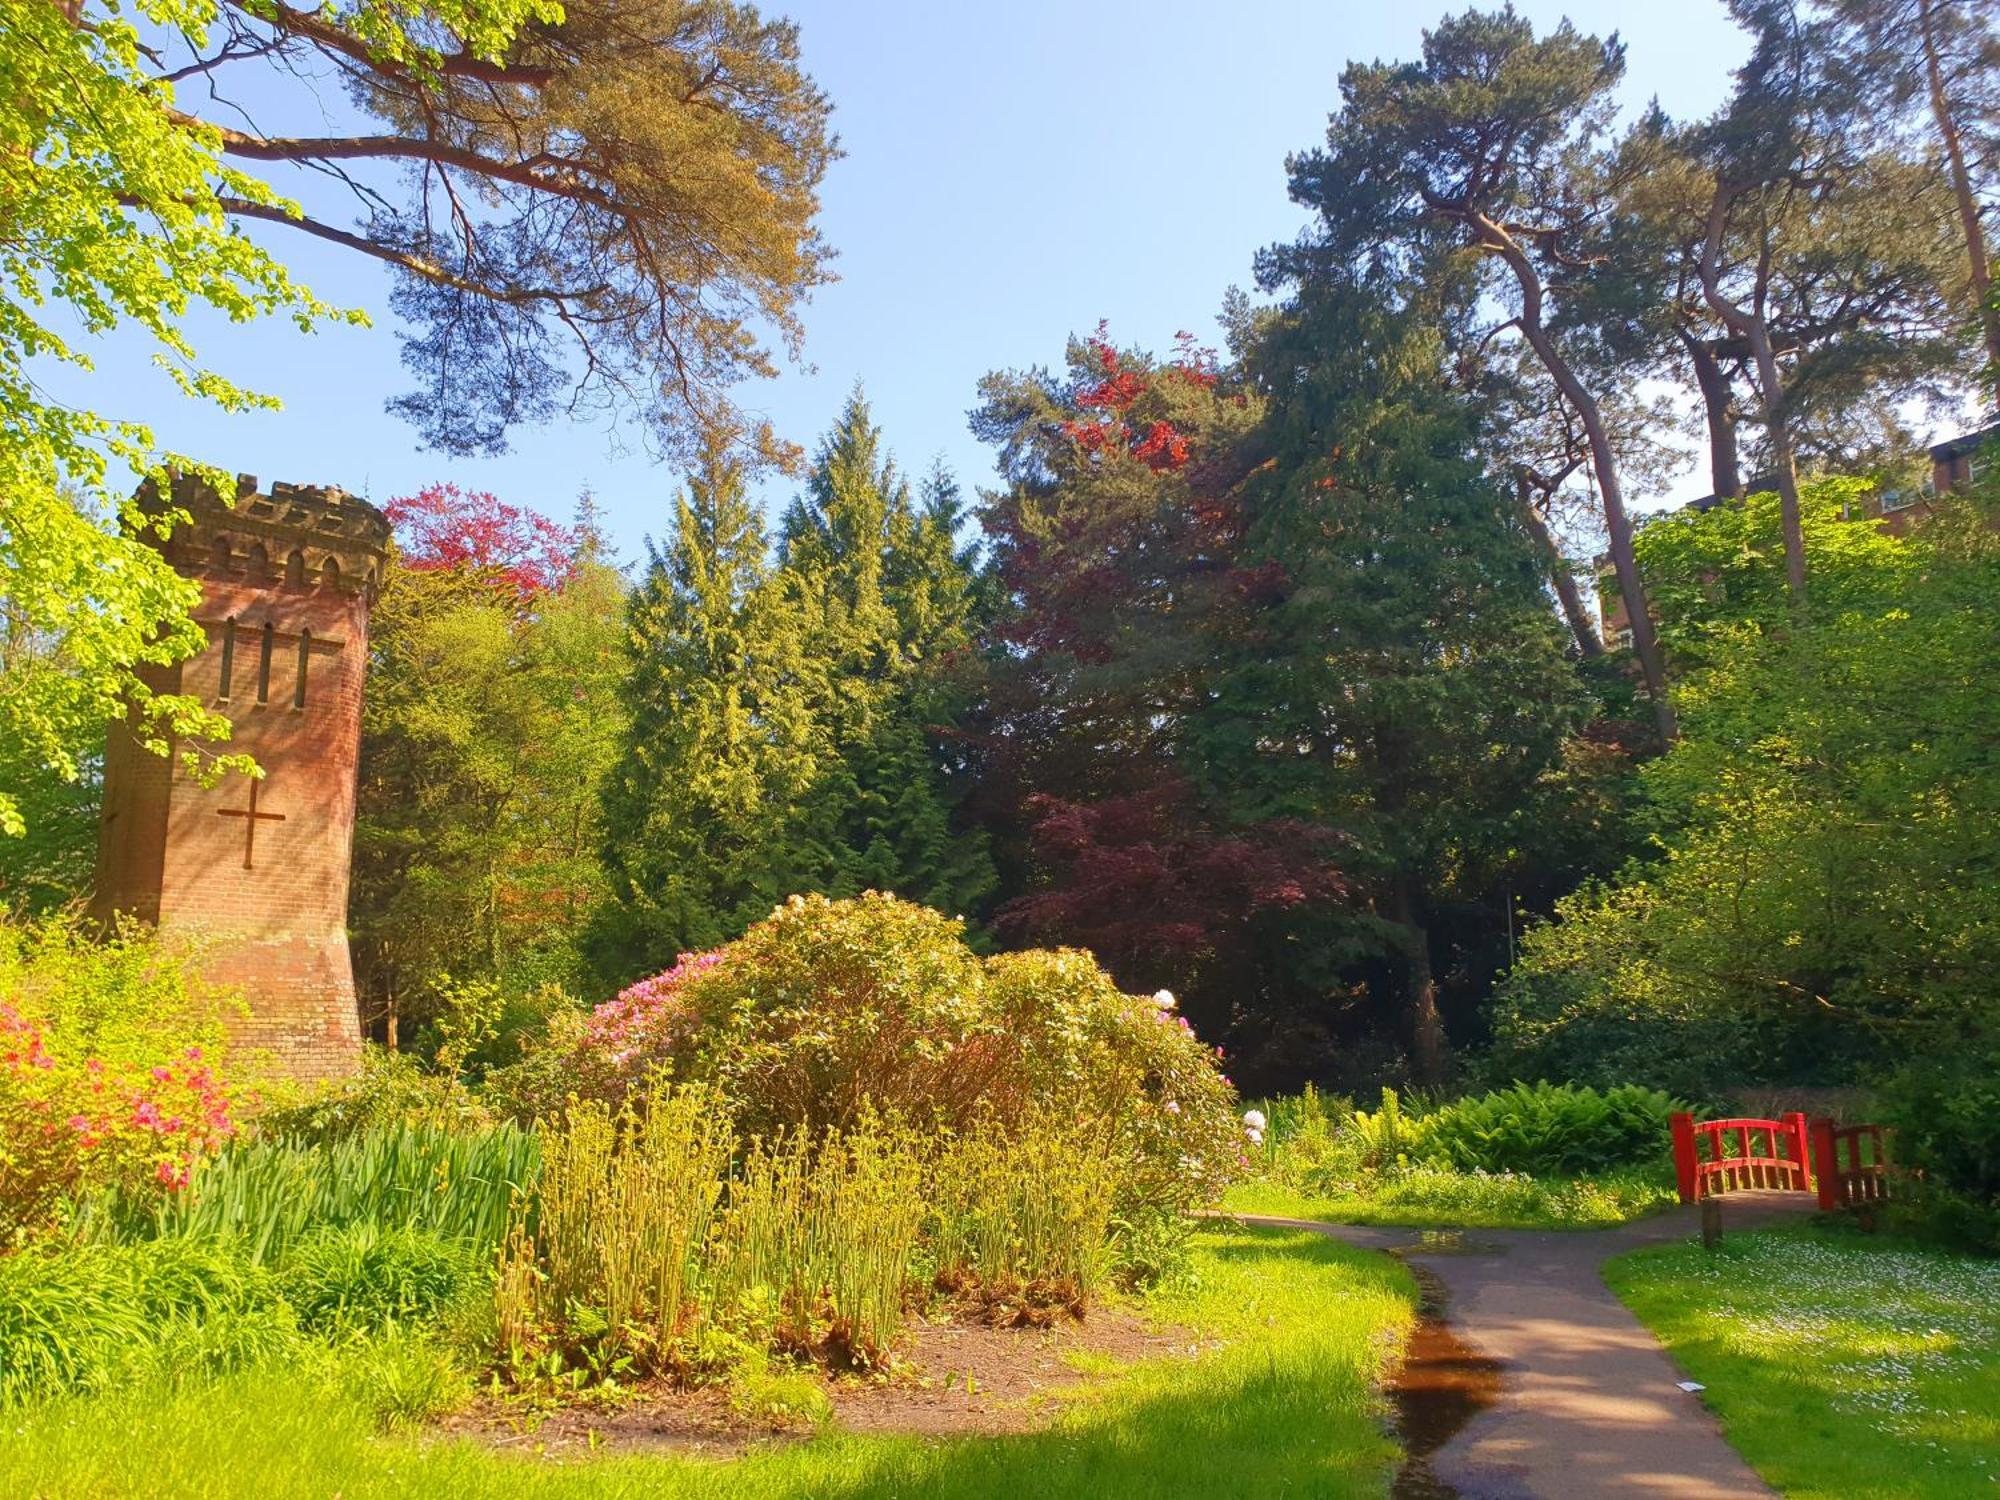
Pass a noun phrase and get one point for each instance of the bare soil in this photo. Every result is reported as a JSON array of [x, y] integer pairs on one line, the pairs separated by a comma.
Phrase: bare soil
[[949, 1379]]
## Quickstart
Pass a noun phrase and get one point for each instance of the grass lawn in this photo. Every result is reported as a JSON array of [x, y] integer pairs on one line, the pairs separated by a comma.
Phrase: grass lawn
[[1427, 1198], [1844, 1367], [1288, 1406]]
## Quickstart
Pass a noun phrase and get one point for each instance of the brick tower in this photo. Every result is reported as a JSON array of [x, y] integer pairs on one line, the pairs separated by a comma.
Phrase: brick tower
[[260, 868]]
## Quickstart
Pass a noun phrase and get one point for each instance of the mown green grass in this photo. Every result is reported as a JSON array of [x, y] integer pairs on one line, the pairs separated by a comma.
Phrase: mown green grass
[[1287, 1405], [1843, 1367], [1439, 1198]]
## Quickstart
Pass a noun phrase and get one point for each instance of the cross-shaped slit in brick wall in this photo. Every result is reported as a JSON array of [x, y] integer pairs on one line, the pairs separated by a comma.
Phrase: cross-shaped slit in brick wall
[[251, 818]]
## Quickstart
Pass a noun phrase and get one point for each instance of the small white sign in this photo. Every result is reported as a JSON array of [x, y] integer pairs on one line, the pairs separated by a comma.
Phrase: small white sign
[[1690, 1385]]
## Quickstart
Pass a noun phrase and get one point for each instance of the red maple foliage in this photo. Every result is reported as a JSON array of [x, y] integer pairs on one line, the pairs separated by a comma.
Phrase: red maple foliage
[[1162, 446], [1144, 884], [443, 527]]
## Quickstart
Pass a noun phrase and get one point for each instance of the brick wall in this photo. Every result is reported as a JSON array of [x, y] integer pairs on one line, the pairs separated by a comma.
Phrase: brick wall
[[271, 900]]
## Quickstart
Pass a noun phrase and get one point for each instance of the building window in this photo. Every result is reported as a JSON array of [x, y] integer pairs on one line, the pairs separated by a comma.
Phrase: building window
[[329, 573], [264, 665], [1622, 640], [1975, 467], [295, 569], [1895, 500], [305, 656], [228, 657]]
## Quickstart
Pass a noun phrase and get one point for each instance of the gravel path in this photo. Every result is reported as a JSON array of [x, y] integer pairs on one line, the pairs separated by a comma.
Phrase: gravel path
[[1588, 1405]]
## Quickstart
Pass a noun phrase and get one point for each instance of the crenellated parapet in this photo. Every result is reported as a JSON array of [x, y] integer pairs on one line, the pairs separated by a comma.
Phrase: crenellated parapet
[[298, 536]]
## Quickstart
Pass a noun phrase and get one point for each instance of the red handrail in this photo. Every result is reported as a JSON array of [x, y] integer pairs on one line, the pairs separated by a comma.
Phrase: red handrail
[[1778, 1160], [1863, 1177]]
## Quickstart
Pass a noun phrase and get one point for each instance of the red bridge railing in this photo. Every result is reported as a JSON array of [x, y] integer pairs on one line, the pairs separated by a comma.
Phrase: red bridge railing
[[1712, 1157], [1848, 1165], [1851, 1163]]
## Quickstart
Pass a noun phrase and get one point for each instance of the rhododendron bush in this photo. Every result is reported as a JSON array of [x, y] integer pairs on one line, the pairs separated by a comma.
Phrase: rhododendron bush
[[110, 1070], [828, 1009]]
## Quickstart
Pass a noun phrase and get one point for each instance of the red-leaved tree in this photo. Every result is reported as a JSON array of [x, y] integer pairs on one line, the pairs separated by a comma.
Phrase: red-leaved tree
[[1152, 889], [443, 527]]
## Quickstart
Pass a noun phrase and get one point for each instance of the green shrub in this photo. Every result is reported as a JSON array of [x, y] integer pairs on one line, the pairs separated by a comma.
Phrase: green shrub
[[112, 1058], [831, 1008], [390, 1089], [1389, 1137], [1552, 1130], [364, 1278], [95, 1316], [1944, 1106], [271, 1194], [1128, 1070]]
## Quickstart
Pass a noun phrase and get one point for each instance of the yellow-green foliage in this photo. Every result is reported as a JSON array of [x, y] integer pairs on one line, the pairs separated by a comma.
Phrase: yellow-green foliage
[[644, 1240], [831, 1008], [822, 1231], [621, 1221], [1023, 1216], [1127, 1069], [267, 1195], [828, 1006], [112, 1054]]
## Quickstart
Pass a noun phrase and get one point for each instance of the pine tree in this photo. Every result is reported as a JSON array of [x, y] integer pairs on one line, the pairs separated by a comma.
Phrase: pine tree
[[720, 741]]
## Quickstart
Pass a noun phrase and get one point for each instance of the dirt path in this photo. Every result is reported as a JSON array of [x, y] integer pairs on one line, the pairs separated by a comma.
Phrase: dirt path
[[1588, 1405]]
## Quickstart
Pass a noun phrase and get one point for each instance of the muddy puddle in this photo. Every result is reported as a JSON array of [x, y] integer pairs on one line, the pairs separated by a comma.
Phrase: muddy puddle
[[1442, 1385]]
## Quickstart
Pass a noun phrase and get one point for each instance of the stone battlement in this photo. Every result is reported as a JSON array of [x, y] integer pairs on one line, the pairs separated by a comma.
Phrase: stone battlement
[[287, 537]]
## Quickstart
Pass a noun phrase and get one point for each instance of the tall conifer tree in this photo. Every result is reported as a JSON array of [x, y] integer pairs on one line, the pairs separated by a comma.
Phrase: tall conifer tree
[[721, 741], [1396, 676], [884, 597]]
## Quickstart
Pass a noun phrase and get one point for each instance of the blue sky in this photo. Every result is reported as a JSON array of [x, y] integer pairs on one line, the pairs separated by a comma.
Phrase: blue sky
[[1013, 174]]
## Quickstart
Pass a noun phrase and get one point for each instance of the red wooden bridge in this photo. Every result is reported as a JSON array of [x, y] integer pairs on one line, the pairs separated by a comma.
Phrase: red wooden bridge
[[1846, 1165]]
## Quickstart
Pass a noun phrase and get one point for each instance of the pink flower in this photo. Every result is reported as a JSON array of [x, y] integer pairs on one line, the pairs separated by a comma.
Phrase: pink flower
[[162, 1075], [79, 1122]]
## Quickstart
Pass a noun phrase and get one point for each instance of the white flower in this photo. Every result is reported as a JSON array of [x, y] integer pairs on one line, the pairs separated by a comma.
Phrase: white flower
[[1256, 1136], [1254, 1119], [1163, 999], [1172, 1107]]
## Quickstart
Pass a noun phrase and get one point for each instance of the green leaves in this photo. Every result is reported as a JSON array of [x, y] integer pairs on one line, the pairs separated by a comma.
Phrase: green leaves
[[1821, 898], [110, 211], [1552, 1130]]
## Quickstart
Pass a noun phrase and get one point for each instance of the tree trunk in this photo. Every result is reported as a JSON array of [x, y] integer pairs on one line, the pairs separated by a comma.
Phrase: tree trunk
[[1724, 466], [1778, 424], [1427, 1043], [1617, 524], [1751, 327], [1961, 186], [1580, 623]]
